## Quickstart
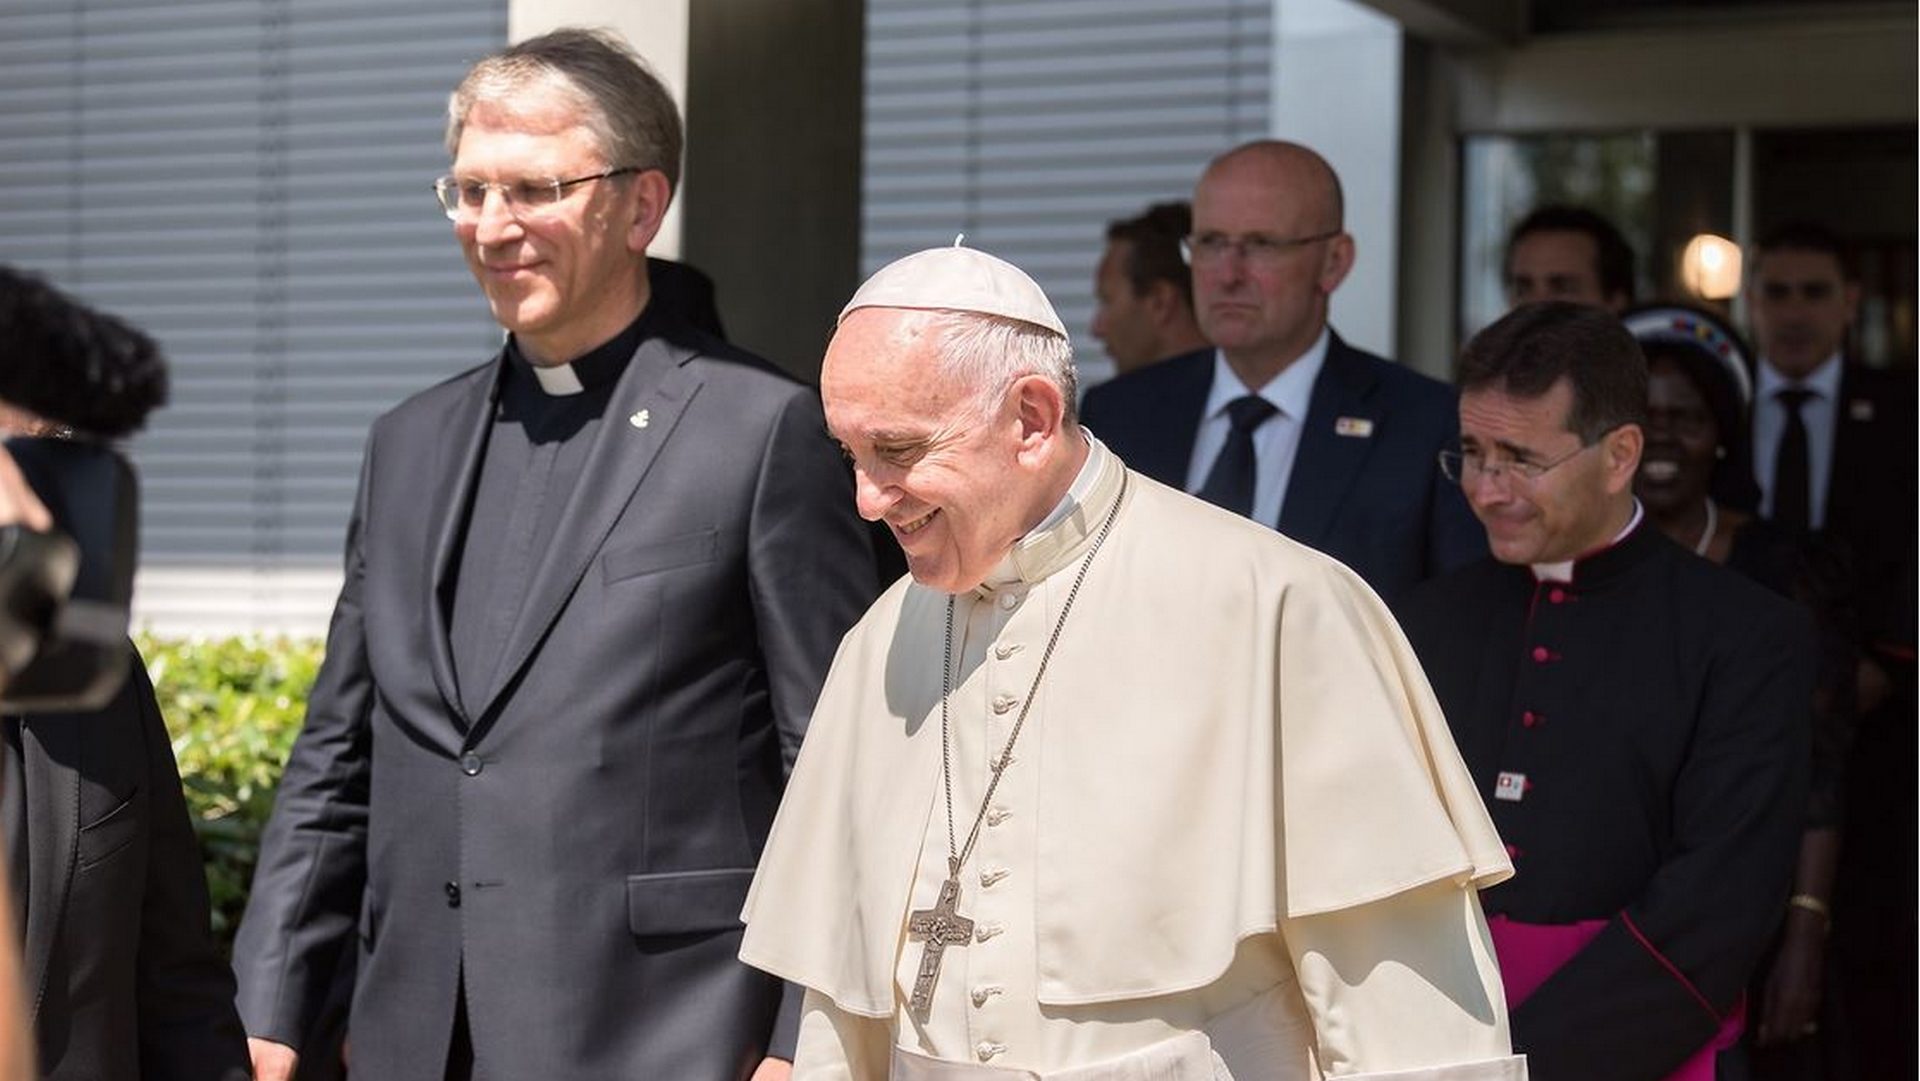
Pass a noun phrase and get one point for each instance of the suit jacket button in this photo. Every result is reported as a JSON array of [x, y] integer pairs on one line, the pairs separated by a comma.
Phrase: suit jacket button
[[470, 764], [453, 895]]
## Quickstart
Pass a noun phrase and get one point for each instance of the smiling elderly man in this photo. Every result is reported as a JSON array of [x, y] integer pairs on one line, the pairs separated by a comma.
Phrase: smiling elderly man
[[1117, 784]]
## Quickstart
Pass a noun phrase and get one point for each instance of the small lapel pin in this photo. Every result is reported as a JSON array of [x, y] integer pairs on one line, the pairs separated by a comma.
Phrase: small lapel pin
[[1860, 409], [1354, 427], [640, 419]]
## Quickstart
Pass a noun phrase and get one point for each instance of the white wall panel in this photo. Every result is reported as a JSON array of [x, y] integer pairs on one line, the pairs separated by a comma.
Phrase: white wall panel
[[1029, 124], [248, 181]]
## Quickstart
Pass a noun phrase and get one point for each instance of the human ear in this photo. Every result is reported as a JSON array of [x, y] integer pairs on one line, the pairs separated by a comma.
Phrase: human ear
[[649, 195], [1040, 410], [1620, 452], [1337, 263]]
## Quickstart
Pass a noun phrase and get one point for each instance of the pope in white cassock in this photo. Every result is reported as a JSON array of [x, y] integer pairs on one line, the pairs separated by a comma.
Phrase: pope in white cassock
[[1116, 786]]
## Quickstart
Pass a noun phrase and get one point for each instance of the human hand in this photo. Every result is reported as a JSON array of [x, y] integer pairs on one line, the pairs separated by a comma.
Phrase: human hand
[[773, 1069], [272, 1061], [1791, 1001], [18, 504]]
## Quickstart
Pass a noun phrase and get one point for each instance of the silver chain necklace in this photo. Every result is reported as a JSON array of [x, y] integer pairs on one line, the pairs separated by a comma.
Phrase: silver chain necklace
[[1706, 535], [942, 925]]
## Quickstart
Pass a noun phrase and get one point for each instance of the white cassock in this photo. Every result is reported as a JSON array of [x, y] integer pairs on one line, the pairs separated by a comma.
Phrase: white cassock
[[1236, 840]]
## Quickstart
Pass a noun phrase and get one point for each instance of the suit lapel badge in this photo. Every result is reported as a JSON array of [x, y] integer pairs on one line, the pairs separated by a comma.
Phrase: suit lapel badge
[[1860, 409], [1510, 786], [1354, 427], [641, 419]]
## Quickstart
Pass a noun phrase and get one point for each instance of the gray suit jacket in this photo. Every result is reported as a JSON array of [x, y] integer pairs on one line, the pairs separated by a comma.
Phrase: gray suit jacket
[[122, 975], [574, 842]]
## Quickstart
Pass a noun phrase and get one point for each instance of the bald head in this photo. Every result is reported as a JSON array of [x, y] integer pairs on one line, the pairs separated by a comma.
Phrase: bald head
[[1268, 252], [1297, 174]]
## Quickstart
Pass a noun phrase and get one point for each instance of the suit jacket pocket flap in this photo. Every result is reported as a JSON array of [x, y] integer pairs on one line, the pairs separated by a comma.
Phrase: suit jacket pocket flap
[[660, 555], [686, 902]]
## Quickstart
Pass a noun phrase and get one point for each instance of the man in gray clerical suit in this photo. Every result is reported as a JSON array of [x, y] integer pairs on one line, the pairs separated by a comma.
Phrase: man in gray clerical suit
[[591, 589]]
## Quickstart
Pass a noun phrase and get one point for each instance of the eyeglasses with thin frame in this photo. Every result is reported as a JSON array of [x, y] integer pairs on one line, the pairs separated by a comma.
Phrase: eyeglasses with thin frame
[[1254, 249], [466, 198], [1457, 466]]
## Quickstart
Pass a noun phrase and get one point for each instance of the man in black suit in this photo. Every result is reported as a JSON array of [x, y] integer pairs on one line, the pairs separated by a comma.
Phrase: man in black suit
[[1832, 438], [1560, 252], [1833, 446], [121, 973], [1143, 294], [1284, 421], [592, 587]]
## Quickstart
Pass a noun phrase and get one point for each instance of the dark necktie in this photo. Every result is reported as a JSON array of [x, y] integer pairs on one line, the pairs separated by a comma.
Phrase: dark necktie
[[1230, 482], [1792, 494]]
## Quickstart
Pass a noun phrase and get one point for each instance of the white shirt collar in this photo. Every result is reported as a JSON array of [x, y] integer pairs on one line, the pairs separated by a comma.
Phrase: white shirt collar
[[1824, 381], [1006, 571], [1290, 391]]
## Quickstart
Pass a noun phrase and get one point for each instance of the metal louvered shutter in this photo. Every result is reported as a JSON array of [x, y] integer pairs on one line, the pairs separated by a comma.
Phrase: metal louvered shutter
[[1029, 124], [248, 181]]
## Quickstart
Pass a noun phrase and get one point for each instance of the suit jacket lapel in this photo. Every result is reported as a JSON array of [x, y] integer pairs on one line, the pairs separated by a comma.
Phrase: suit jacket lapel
[[624, 448], [1326, 463], [49, 751], [1853, 450], [1166, 452], [464, 438]]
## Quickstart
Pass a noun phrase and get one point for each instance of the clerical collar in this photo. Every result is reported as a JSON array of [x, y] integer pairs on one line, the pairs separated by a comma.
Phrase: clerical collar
[[1062, 536], [1564, 572], [599, 367]]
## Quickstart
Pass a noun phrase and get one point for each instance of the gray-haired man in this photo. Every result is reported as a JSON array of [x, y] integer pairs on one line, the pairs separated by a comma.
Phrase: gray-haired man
[[591, 589]]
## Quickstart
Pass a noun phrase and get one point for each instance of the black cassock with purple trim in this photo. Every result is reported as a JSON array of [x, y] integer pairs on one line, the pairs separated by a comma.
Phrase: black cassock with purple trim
[[1641, 735]]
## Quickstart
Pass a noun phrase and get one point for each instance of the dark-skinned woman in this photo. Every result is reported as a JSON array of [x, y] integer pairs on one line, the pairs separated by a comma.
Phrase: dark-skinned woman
[[1696, 483]]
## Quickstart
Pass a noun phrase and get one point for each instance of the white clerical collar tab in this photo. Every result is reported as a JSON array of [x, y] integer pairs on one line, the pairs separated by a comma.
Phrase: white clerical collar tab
[[558, 380]]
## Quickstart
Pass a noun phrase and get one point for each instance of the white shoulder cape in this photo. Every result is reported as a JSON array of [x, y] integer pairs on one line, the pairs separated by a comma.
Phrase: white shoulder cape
[[1234, 729]]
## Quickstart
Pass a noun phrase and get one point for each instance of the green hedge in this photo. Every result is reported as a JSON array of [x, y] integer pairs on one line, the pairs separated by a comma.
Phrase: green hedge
[[233, 707]]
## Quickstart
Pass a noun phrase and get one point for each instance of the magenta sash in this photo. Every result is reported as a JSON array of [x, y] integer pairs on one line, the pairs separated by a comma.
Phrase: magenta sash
[[1530, 952]]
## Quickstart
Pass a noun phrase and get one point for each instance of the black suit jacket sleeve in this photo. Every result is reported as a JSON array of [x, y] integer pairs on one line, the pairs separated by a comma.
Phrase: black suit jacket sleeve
[[810, 564], [1652, 988], [811, 569], [306, 895], [188, 1030]]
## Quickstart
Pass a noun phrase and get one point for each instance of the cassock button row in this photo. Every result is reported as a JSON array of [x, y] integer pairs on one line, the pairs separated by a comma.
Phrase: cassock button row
[[987, 1049], [997, 815], [1556, 596], [471, 765], [1530, 718], [986, 991], [1008, 601], [1005, 650], [985, 931], [989, 877], [1542, 654], [1004, 702], [453, 894]]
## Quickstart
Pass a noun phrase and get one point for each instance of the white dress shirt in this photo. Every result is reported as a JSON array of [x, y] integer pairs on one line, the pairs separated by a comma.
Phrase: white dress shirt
[[1820, 413], [1275, 443]]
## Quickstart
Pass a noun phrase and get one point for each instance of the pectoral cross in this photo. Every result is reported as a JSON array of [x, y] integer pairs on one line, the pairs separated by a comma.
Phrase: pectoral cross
[[940, 926]]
